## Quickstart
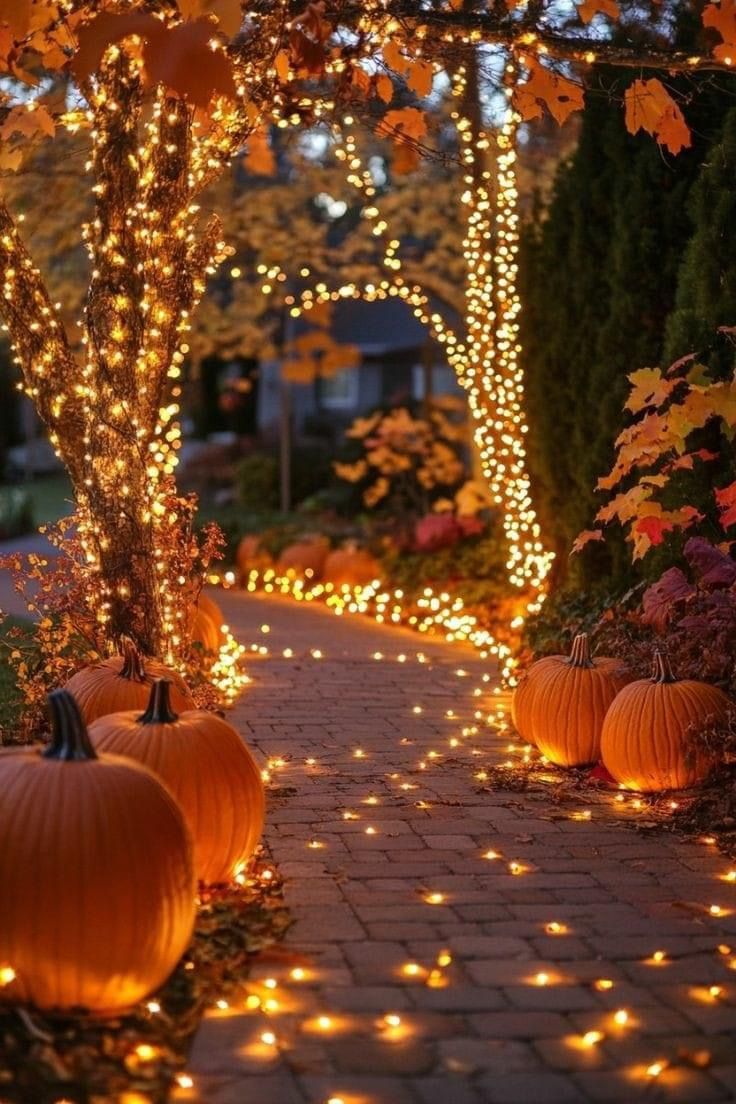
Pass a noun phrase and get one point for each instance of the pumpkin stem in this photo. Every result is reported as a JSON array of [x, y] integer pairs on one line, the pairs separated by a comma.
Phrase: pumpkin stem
[[133, 667], [69, 737], [662, 667], [159, 709], [580, 652]]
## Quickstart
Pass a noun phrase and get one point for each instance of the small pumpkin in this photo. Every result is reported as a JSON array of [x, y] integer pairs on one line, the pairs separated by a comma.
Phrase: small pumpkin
[[561, 702], [305, 557], [251, 555], [123, 682], [645, 739], [207, 768], [97, 902], [352, 566], [208, 622]]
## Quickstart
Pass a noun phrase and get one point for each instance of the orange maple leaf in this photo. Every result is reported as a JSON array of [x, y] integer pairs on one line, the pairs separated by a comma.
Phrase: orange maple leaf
[[584, 538], [259, 158], [590, 8], [722, 17], [650, 107], [544, 88], [404, 123]]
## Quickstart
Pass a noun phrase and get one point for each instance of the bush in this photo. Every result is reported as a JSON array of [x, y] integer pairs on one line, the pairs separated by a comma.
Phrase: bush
[[258, 477], [16, 512], [257, 482]]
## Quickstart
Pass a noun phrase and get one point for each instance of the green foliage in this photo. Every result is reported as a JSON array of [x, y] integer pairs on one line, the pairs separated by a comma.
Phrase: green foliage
[[258, 477], [257, 482], [16, 512], [598, 279], [706, 288], [474, 568]]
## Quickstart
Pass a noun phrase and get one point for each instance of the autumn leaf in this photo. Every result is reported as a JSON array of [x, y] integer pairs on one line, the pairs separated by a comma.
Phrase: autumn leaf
[[650, 388], [658, 599], [28, 122], [585, 538], [420, 77], [95, 36], [404, 123], [385, 87], [259, 158], [722, 17], [183, 60], [405, 160], [281, 65], [590, 8], [726, 499], [394, 58], [544, 88], [649, 107], [18, 15], [308, 38]]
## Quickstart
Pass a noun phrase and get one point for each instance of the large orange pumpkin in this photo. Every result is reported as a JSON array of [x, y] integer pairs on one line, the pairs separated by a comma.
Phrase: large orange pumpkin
[[97, 901], [561, 702], [208, 621], [251, 555], [207, 768], [351, 566], [304, 556], [123, 682], [645, 739]]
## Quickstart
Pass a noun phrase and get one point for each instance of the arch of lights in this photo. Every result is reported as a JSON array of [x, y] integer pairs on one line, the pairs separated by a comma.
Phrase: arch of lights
[[486, 360]]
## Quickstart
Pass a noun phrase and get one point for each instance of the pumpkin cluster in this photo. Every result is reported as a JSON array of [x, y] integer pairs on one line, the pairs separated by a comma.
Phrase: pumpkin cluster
[[577, 709], [107, 829]]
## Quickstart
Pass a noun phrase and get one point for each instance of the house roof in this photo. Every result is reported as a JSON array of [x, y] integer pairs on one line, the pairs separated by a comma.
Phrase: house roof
[[384, 326]]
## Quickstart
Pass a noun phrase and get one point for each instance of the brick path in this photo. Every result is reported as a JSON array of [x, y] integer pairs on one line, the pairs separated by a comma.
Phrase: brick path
[[365, 834]]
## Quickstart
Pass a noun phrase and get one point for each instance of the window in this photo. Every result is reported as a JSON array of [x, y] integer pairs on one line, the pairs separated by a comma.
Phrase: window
[[340, 392]]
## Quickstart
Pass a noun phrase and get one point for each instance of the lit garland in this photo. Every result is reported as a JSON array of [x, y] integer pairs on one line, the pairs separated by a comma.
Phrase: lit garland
[[486, 363]]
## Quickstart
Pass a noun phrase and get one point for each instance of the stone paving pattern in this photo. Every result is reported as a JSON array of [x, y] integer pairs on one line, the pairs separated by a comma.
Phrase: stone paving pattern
[[481, 1028]]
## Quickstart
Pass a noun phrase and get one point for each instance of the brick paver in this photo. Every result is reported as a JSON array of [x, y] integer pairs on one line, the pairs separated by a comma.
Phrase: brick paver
[[381, 828]]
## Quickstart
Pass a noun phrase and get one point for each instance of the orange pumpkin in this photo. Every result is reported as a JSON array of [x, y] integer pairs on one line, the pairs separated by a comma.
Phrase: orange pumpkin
[[352, 566], [305, 556], [561, 702], [97, 904], [251, 555], [208, 621], [645, 739], [207, 768], [123, 682]]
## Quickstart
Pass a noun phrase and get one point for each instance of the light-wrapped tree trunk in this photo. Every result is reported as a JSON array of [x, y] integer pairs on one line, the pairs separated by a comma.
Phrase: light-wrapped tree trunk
[[110, 406]]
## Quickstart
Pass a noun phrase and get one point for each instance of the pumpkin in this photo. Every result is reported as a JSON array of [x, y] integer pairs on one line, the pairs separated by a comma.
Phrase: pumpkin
[[304, 556], [561, 702], [208, 621], [251, 555], [98, 890], [645, 739], [352, 566], [123, 682], [207, 768]]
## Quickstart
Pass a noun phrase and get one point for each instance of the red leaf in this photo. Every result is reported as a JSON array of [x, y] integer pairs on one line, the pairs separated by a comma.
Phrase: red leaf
[[658, 599], [547, 89], [713, 567]]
